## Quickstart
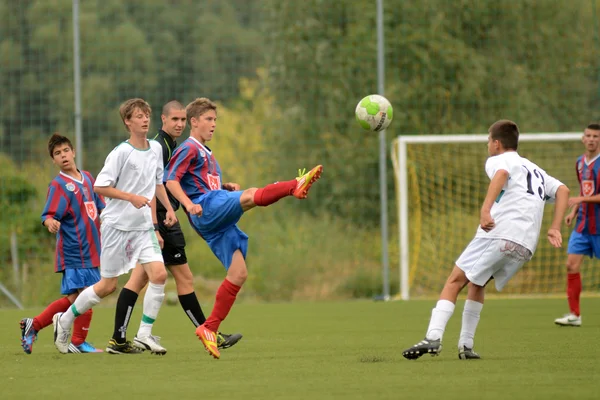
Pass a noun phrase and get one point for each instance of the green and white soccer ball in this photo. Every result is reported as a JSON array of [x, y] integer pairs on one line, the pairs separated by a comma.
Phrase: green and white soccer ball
[[374, 113]]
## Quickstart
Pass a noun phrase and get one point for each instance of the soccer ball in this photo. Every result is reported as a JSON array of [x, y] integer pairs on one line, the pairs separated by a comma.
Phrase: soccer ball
[[374, 113], [172, 298]]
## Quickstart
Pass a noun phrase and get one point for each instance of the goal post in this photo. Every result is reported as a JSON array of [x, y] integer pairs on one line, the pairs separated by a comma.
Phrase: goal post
[[441, 183]]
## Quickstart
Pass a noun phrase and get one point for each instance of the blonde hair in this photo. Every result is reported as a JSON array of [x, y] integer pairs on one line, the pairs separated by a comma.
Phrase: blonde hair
[[128, 107], [198, 107]]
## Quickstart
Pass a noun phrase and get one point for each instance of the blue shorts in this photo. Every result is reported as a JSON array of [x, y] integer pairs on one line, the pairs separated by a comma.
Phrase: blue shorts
[[582, 243], [221, 210], [78, 278]]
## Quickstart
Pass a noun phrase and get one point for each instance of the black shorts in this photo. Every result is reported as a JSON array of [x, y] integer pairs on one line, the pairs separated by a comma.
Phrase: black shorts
[[173, 251]]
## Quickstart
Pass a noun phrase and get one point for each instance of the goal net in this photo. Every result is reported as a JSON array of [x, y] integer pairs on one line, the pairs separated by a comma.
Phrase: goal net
[[441, 184]]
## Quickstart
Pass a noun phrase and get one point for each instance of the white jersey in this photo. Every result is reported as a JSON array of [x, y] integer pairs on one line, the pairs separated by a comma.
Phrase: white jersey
[[133, 171], [519, 208]]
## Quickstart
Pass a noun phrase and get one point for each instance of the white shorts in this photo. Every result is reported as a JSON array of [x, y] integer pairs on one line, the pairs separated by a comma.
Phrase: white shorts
[[121, 250], [492, 258]]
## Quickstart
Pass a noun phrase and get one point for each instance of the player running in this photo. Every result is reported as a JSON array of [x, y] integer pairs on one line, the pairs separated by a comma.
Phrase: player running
[[510, 223], [194, 178], [131, 176], [71, 213]]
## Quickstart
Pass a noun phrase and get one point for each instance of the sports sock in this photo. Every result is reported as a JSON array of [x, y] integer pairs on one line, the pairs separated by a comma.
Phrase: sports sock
[[440, 316], [470, 319], [81, 326], [224, 301], [191, 306], [86, 300], [574, 292], [273, 192], [152, 301], [125, 304], [45, 317]]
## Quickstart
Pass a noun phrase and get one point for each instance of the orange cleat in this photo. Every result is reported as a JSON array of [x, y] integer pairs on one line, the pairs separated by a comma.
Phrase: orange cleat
[[209, 340], [305, 181]]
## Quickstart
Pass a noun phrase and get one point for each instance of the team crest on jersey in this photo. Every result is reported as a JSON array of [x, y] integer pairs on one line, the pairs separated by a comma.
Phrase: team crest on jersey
[[587, 188], [70, 187], [202, 153], [587, 174], [214, 182], [90, 208]]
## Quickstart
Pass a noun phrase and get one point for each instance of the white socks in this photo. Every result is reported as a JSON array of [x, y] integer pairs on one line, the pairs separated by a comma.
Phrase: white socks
[[86, 300], [470, 319], [152, 301], [439, 319]]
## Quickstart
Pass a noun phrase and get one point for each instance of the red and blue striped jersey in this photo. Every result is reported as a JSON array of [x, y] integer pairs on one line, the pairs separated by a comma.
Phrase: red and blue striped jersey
[[194, 166], [75, 205], [588, 174]]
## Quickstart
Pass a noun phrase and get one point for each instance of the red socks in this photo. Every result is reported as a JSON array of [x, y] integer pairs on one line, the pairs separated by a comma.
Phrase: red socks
[[273, 192], [574, 291], [45, 317], [81, 327], [225, 298]]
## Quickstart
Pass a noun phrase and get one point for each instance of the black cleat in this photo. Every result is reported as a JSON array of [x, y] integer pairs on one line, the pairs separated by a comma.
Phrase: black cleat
[[122, 348], [425, 346], [465, 353], [225, 341]]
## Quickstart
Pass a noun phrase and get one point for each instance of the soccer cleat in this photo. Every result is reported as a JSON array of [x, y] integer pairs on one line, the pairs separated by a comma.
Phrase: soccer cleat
[[305, 181], [209, 340], [151, 343], [465, 353], [225, 341], [425, 346], [62, 336], [84, 347], [122, 348], [28, 335], [568, 320]]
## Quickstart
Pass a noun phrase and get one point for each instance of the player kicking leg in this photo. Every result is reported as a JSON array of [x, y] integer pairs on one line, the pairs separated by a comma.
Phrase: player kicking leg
[[194, 173], [500, 249]]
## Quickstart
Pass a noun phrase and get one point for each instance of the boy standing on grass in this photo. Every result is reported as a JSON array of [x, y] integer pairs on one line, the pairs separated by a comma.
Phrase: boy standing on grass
[[194, 178], [131, 176], [71, 213], [510, 223]]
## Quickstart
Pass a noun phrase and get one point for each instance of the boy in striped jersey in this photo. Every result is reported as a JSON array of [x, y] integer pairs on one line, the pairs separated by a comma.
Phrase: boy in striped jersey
[[585, 238], [72, 213]]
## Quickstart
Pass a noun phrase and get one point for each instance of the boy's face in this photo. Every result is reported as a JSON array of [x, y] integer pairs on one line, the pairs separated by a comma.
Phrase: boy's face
[[174, 123], [205, 125], [591, 140], [139, 123], [63, 156], [493, 146]]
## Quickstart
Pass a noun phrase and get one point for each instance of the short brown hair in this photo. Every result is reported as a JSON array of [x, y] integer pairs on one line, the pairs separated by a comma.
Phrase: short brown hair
[[594, 126], [57, 140], [172, 105], [507, 132], [198, 107], [126, 109]]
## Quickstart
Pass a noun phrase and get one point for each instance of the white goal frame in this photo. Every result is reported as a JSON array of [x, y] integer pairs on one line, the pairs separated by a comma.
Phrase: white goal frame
[[402, 178]]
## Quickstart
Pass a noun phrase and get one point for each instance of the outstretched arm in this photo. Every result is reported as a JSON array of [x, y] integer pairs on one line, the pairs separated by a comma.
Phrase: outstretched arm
[[113, 193]]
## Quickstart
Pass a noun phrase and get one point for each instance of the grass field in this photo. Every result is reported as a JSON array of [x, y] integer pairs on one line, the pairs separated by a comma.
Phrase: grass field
[[349, 350]]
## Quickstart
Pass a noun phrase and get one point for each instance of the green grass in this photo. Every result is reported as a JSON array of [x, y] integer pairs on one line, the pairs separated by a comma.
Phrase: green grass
[[345, 350]]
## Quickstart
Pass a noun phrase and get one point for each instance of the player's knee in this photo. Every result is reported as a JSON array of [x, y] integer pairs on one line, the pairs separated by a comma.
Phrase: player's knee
[[238, 276], [247, 198], [572, 267], [105, 287], [159, 275]]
